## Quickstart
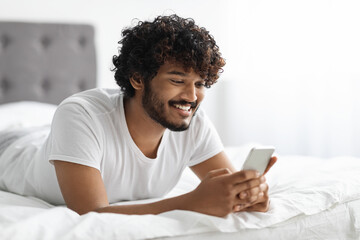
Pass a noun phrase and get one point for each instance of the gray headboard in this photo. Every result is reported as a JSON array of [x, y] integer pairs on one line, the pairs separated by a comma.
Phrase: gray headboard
[[45, 62]]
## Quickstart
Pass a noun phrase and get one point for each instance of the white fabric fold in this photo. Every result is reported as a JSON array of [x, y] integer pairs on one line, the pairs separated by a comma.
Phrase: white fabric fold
[[299, 186]]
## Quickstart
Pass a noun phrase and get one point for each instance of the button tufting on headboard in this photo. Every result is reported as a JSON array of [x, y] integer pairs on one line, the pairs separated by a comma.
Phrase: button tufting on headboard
[[82, 85], [45, 62], [82, 41], [46, 84], [5, 84], [45, 42], [5, 41]]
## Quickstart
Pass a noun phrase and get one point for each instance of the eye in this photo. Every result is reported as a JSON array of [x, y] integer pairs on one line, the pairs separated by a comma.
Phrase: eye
[[200, 84], [176, 81]]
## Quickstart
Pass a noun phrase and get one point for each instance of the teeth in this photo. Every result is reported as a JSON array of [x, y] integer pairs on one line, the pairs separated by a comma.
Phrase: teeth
[[185, 108]]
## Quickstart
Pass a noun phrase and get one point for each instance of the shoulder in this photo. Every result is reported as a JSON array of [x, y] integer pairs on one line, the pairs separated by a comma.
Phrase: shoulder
[[200, 120], [94, 101]]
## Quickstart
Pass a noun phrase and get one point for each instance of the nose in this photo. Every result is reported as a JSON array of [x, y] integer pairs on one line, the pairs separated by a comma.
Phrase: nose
[[190, 93]]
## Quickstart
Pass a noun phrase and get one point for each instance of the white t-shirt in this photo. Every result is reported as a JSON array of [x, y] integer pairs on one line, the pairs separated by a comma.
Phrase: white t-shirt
[[89, 128]]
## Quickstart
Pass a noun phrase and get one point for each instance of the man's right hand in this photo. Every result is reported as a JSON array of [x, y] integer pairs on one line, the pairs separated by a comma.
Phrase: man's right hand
[[218, 194]]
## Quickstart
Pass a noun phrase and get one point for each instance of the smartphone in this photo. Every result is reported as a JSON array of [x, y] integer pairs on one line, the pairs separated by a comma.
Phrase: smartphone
[[258, 159]]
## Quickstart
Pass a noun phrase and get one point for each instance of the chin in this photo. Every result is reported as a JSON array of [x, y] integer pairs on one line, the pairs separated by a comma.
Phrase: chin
[[178, 128]]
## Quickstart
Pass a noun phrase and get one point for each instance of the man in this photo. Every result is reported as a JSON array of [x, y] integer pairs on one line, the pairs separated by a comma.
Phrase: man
[[107, 147]]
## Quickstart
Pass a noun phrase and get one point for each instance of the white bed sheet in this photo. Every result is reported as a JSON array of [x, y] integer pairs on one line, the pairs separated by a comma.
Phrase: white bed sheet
[[311, 198], [308, 199], [25, 114], [332, 224]]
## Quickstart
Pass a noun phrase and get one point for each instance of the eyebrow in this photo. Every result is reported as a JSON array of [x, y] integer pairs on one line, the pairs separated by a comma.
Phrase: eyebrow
[[174, 72]]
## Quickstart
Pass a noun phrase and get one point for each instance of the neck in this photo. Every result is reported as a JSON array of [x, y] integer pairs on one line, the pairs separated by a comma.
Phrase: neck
[[144, 131]]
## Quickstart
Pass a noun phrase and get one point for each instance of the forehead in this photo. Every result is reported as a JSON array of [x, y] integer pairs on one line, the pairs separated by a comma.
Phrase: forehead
[[173, 68]]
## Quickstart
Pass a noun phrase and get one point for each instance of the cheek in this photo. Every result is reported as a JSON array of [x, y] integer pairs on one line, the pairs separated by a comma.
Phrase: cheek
[[159, 95], [200, 95]]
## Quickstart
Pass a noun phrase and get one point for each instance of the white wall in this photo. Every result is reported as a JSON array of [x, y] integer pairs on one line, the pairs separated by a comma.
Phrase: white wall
[[293, 67], [109, 17], [296, 72]]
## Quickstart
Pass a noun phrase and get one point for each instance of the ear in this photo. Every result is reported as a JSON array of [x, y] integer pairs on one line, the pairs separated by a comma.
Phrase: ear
[[136, 81]]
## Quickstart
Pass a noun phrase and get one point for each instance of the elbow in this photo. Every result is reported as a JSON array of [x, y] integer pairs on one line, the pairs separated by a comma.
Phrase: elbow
[[83, 211], [79, 210]]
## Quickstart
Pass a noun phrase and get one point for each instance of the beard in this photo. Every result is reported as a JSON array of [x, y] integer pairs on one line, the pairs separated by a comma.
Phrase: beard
[[155, 108]]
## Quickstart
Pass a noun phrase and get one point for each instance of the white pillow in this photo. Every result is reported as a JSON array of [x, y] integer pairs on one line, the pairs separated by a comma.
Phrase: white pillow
[[24, 114]]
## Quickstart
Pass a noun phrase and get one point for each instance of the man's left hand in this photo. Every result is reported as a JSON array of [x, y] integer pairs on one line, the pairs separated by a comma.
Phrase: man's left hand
[[261, 204]]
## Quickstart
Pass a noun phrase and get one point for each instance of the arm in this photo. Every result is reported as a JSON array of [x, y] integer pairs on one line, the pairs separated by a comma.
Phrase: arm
[[84, 191], [255, 199], [218, 161]]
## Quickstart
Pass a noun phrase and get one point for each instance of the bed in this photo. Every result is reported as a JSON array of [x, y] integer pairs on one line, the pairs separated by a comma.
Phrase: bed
[[42, 63]]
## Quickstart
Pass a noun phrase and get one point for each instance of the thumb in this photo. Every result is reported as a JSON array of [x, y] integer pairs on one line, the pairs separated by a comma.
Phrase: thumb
[[271, 163]]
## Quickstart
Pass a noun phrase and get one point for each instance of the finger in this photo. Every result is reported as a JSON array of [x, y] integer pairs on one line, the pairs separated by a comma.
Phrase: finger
[[241, 187], [253, 196], [243, 195], [237, 208], [250, 201], [218, 172], [250, 192], [257, 190], [242, 176], [261, 198], [242, 201], [270, 164], [259, 207], [264, 188], [262, 202], [253, 199]]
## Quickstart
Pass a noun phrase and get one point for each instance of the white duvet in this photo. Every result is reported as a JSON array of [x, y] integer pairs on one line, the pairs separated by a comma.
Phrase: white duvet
[[299, 186]]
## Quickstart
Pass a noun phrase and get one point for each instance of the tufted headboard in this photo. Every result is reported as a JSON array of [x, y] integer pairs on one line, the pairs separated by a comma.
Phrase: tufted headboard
[[45, 62]]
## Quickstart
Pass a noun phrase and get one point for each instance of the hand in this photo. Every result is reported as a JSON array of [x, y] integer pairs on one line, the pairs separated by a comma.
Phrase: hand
[[261, 204], [218, 193], [258, 201]]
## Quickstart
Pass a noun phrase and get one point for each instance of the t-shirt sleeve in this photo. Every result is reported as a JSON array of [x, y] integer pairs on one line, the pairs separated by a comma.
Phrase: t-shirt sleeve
[[206, 140], [74, 136]]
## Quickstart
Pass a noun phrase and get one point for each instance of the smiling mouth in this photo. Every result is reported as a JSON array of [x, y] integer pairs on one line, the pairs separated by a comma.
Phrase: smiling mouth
[[183, 107]]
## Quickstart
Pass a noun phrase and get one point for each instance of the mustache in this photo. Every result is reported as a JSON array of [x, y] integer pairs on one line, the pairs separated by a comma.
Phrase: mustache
[[192, 104]]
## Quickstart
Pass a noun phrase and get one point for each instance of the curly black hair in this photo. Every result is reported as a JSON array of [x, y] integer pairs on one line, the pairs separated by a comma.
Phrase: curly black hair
[[146, 46]]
